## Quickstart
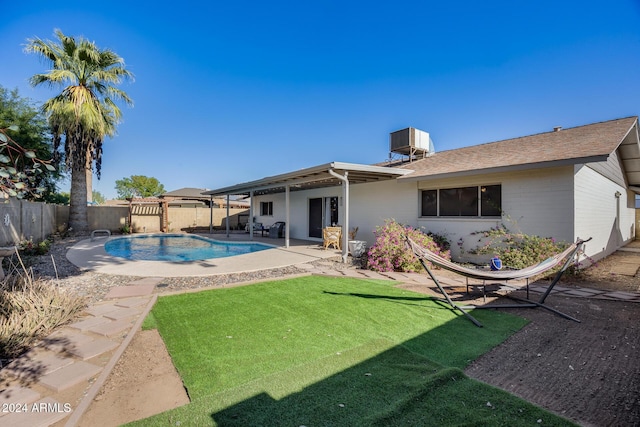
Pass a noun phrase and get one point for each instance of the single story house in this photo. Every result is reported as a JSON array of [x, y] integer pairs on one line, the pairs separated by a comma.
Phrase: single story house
[[569, 183]]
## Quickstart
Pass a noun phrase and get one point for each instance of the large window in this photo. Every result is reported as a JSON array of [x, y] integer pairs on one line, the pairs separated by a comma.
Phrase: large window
[[485, 200], [266, 208]]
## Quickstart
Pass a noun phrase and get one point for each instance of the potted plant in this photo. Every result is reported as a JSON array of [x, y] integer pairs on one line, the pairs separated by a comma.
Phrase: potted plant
[[357, 248]]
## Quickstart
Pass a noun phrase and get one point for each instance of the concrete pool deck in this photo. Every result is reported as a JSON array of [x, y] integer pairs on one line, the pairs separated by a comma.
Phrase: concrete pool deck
[[90, 255]]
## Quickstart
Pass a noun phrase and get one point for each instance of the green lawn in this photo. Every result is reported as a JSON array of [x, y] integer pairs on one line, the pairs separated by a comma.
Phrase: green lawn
[[322, 351]]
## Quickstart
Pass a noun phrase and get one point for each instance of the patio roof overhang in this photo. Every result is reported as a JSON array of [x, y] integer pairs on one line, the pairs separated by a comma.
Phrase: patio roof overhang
[[313, 177], [325, 175]]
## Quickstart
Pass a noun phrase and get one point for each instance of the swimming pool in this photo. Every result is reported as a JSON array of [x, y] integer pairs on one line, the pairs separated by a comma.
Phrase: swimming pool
[[176, 248]]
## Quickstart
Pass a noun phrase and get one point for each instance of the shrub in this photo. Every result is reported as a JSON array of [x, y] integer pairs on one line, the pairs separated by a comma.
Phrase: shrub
[[390, 251], [30, 310], [517, 250], [27, 247]]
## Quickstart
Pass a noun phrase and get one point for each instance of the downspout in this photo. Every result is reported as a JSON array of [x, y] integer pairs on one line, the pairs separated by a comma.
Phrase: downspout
[[345, 197], [287, 217]]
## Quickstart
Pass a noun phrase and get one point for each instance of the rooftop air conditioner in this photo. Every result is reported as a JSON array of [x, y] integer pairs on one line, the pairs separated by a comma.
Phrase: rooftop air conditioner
[[411, 142]]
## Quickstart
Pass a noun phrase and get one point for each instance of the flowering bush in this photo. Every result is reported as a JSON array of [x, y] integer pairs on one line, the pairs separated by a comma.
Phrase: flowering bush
[[390, 251], [517, 250]]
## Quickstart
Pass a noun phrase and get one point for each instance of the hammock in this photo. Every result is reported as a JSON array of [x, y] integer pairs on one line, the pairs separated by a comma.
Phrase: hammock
[[565, 256]]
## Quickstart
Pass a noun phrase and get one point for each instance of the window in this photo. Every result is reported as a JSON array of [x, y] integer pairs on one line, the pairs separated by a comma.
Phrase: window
[[459, 201], [430, 203], [474, 201], [491, 200], [266, 208]]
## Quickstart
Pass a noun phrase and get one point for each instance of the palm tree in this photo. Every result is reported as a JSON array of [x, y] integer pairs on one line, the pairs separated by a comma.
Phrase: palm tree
[[85, 112]]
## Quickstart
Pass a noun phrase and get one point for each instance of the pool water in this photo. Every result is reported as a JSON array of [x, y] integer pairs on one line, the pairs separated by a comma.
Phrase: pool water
[[176, 248]]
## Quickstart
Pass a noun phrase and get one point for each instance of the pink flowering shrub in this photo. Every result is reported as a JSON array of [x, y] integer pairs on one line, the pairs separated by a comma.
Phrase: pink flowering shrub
[[391, 253]]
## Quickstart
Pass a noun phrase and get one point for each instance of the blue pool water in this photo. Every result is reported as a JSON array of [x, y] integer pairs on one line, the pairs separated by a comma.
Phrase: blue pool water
[[176, 248]]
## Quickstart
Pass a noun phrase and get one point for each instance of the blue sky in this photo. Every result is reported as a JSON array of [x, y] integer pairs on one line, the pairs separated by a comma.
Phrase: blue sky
[[227, 92]]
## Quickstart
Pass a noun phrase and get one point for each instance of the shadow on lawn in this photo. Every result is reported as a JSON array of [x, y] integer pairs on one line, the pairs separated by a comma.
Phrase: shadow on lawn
[[386, 297], [438, 301], [405, 384]]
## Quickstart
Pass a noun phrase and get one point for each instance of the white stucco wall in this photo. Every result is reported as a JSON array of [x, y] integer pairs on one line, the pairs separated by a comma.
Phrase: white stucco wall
[[373, 203], [370, 205], [538, 202], [597, 208]]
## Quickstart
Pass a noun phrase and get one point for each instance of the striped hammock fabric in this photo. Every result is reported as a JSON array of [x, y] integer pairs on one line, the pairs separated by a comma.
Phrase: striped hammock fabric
[[534, 270]]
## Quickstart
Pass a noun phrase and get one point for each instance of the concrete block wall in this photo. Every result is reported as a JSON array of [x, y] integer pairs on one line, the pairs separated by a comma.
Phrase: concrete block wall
[[190, 217], [107, 217], [21, 220]]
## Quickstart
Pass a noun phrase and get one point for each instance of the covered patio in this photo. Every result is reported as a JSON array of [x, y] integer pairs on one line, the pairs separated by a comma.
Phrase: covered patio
[[326, 175]]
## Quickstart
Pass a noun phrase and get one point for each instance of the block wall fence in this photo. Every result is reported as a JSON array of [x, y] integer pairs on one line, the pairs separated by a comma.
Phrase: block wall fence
[[22, 220]]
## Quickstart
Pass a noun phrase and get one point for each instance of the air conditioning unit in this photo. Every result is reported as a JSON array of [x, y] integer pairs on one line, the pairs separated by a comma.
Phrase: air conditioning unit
[[411, 142]]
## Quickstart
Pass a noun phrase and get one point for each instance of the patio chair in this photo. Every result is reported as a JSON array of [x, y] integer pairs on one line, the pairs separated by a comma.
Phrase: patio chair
[[562, 259], [277, 230], [332, 236]]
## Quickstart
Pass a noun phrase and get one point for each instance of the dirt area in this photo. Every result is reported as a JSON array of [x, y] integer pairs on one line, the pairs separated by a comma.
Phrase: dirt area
[[588, 372], [143, 383]]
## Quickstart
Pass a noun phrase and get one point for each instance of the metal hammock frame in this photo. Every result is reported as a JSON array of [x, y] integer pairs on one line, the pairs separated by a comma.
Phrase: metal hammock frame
[[564, 259]]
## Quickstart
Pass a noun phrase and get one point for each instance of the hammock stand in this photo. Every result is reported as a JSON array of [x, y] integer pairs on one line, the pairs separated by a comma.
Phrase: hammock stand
[[425, 255]]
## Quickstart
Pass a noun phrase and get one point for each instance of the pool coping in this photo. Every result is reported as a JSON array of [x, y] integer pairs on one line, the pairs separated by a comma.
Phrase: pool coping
[[90, 255]]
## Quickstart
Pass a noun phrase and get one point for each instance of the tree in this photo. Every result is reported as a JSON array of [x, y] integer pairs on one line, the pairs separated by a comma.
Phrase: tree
[[138, 186], [98, 198], [85, 112], [61, 198], [25, 130], [20, 169]]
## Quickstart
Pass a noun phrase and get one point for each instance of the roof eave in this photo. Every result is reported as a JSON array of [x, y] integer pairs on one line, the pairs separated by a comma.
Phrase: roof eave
[[503, 169], [312, 174]]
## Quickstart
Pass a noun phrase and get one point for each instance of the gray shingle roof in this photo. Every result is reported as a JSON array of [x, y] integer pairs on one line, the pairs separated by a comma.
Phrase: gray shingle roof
[[582, 144], [187, 192]]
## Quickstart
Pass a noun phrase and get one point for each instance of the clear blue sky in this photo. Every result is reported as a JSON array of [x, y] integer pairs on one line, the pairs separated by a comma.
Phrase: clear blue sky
[[227, 92]]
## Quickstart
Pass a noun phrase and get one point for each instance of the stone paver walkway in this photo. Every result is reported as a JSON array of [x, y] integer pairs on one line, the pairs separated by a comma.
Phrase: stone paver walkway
[[57, 380], [61, 377]]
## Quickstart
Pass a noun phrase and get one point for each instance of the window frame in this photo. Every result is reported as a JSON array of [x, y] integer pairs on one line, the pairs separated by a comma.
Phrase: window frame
[[269, 209], [482, 203]]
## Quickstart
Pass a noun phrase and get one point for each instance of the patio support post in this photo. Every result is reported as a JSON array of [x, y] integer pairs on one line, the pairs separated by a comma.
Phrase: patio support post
[[228, 226], [251, 215], [287, 217], [345, 197], [211, 214]]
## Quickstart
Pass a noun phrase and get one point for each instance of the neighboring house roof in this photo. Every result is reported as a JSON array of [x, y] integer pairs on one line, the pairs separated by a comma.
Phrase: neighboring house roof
[[187, 193], [582, 144]]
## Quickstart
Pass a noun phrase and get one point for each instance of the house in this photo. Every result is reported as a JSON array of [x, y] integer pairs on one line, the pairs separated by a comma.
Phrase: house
[[566, 183]]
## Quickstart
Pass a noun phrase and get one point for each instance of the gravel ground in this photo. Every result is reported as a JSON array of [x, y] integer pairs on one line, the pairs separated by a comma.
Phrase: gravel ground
[[55, 266]]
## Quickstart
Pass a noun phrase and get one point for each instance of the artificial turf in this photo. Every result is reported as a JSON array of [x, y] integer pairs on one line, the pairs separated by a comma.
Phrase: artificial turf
[[332, 351]]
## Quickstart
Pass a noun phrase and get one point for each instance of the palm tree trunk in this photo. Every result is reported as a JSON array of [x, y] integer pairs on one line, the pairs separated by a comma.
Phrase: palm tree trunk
[[78, 201], [89, 185]]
